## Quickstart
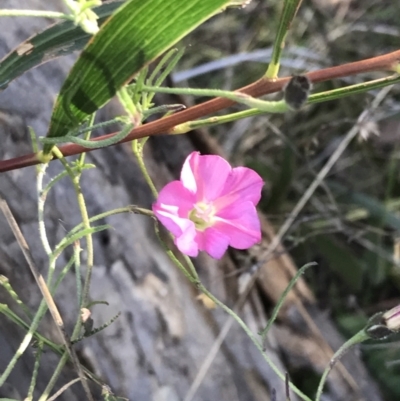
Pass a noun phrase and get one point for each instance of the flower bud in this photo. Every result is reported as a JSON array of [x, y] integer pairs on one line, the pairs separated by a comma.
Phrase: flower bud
[[392, 318], [383, 324]]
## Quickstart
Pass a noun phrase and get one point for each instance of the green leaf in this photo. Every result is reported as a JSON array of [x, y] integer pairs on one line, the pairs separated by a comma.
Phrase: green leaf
[[58, 40], [136, 34], [289, 11]]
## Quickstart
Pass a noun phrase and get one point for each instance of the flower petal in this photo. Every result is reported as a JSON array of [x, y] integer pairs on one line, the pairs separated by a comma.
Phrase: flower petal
[[205, 175], [176, 194], [172, 207], [241, 224], [188, 178], [168, 216], [215, 243], [244, 184], [183, 229], [186, 242]]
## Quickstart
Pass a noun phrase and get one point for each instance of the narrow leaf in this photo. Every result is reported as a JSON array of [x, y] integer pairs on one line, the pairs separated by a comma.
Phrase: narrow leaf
[[132, 37], [58, 40], [289, 11]]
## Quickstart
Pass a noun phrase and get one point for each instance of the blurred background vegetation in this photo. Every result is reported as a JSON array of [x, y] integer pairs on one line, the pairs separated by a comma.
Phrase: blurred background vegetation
[[351, 225]]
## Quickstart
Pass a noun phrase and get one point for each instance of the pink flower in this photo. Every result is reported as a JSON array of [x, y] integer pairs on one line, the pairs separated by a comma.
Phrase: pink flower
[[211, 207]]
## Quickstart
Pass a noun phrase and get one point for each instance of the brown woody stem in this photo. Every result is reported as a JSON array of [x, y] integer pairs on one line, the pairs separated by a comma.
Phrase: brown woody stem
[[258, 88]]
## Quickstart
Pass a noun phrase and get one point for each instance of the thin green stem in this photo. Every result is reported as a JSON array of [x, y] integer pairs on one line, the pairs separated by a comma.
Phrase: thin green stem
[[52, 260], [58, 349], [41, 170], [25, 342], [69, 239], [91, 126], [196, 281], [289, 11], [5, 283], [35, 372], [282, 298], [176, 261], [167, 70], [34, 13], [89, 265], [279, 106], [160, 65], [63, 273], [353, 89], [313, 99], [86, 225], [41, 194], [77, 264], [192, 269], [137, 148], [34, 141], [25, 326], [63, 174], [360, 337], [136, 89], [138, 152], [90, 144], [209, 122], [127, 209], [88, 134], [89, 242], [54, 377], [164, 109], [127, 102], [253, 338]]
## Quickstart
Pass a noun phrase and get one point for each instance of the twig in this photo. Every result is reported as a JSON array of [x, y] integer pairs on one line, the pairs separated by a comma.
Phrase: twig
[[62, 389], [258, 88]]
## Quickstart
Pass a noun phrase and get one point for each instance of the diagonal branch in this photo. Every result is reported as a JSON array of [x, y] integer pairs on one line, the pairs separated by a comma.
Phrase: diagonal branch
[[263, 86]]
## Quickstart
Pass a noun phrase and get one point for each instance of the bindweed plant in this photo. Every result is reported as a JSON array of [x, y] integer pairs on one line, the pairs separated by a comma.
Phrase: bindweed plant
[[211, 207]]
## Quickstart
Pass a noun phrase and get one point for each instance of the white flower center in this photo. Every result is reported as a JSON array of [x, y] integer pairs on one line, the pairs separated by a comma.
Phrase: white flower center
[[202, 215]]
